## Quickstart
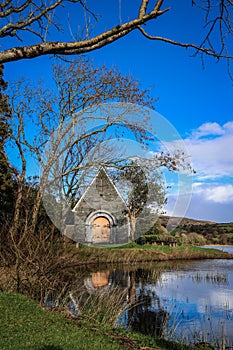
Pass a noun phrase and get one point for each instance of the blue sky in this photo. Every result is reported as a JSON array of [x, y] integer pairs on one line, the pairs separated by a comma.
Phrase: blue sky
[[196, 101]]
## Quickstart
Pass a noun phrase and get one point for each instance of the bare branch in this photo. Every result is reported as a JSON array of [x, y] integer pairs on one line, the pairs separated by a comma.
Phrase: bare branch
[[37, 18], [68, 48], [143, 8], [12, 9], [31, 18], [208, 51]]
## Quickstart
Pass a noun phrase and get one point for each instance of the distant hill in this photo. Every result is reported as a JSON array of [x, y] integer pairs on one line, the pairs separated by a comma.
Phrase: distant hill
[[212, 232], [182, 221]]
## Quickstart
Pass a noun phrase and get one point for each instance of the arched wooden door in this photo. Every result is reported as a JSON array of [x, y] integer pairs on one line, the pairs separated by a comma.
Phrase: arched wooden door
[[101, 230], [100, 278]]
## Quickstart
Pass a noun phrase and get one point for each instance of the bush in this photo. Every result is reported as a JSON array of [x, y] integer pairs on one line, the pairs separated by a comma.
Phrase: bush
[[151, 239]]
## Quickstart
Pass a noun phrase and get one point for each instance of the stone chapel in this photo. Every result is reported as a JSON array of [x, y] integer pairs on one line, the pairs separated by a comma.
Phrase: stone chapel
[[100, 215]]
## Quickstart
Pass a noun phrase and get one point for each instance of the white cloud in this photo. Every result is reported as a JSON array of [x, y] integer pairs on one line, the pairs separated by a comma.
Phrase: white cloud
[[208, 129], [217, 193], [210, 147], [212, 156], [209, 201], [220, 194]]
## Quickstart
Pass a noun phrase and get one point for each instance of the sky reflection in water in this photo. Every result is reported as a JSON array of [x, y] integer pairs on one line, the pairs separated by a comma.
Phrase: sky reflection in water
[[199, 299]]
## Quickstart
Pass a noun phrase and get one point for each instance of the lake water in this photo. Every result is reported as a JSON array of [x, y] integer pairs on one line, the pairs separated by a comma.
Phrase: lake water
[[224, 248], [193, 302], [190, 301]]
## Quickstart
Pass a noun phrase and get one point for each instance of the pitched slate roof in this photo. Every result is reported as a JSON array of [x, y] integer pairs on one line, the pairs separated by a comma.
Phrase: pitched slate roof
[[101, 189]]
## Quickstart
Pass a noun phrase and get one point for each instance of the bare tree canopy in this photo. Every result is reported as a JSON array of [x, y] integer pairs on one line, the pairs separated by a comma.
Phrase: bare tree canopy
[[33, 28]]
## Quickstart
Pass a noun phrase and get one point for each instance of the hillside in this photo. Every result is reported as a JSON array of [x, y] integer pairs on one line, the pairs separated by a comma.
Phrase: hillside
[[182, 221], [212, 232]]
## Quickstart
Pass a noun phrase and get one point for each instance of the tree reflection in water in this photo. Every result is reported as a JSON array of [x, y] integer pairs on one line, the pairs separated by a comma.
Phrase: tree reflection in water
[[140, 298], [145, 314], [141, 308], [145, 320], [120, 292]]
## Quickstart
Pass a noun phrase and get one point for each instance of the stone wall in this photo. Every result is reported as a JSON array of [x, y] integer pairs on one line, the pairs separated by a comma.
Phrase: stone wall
[[101, 198]]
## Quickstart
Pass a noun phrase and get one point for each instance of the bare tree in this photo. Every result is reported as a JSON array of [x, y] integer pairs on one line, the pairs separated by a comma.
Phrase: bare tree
[[41, 114], [53, 127], [41, 21]]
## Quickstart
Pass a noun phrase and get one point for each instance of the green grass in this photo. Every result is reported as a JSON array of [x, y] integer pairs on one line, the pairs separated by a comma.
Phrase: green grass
[[133, 253], [24, 325]]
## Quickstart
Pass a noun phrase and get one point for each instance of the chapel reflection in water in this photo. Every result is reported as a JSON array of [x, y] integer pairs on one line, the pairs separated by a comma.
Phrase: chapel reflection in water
[[158, 298], [144, 312]]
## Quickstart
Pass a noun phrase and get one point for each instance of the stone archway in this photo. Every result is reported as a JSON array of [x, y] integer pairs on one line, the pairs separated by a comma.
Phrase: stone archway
[[100, 227], [101, 230]]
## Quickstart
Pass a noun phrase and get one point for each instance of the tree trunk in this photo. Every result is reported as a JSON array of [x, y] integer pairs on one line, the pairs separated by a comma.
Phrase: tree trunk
[[132, 220], [35, 210], [16, 218]]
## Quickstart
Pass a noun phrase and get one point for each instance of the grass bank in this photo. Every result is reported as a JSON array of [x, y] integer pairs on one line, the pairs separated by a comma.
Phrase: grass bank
[[26, 326], [133, 253]]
